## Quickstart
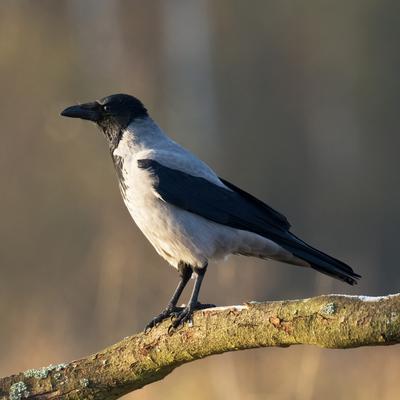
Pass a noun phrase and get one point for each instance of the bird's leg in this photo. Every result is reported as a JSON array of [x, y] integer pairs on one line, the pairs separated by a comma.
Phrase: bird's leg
[[185, 273], [186, 313]]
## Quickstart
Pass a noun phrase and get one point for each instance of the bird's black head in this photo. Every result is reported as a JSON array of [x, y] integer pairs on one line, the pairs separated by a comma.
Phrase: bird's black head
[[112, 114]]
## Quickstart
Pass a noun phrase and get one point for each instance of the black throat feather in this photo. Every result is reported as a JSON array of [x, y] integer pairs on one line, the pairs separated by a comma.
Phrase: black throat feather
[[112, 131]]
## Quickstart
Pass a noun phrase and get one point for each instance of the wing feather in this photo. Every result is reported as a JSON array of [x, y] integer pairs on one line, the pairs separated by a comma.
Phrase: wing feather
[[232, 207], [238, 209]]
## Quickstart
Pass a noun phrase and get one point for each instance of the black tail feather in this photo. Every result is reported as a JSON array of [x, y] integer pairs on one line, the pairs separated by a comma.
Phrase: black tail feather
[[320, 261]]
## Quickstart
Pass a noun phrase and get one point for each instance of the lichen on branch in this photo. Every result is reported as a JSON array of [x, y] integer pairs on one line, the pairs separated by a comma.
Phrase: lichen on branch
[[333, 321]]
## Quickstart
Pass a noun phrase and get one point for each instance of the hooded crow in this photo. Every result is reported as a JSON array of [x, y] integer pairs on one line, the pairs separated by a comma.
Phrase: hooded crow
[[188, 213]]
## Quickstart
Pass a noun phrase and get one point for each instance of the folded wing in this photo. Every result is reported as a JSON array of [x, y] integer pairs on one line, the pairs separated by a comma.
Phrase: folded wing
[[238, 209]]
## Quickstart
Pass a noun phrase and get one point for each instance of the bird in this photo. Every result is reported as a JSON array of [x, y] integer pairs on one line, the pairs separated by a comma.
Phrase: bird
[[188, 213]]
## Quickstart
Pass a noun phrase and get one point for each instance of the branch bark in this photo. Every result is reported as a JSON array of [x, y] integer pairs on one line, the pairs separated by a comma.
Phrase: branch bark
[[333, 321]]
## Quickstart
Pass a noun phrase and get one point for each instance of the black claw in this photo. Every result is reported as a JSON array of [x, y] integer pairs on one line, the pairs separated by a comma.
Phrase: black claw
[[168, 312], [177, 315], [182, 317]]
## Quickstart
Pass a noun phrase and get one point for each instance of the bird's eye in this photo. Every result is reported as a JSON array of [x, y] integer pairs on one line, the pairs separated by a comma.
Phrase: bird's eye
[[106, 108]]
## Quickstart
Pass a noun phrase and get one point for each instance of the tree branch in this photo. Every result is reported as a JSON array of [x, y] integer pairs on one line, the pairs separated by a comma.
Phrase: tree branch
[[334, 321]]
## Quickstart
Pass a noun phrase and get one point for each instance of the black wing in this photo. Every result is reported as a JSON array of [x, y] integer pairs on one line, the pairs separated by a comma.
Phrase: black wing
[[238, 209], [227, 207]]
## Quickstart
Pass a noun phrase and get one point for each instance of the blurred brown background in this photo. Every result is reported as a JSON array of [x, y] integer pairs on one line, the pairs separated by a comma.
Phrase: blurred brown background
[[295, 101]]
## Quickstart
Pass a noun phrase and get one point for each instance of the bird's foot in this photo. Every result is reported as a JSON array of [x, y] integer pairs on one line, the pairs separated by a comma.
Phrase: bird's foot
[[203, 306], [170, 311], [179, 318], [185, 314]]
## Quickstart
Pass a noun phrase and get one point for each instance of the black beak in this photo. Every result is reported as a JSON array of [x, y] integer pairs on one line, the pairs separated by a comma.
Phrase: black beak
[[89, 111]]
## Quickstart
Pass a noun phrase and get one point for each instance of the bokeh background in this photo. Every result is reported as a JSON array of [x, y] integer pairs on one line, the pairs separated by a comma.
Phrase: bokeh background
[[295, 101]]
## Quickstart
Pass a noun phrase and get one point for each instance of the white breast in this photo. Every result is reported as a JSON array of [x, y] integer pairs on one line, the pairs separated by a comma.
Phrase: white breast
[[169, 229], [173, 232], [176, 234]]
